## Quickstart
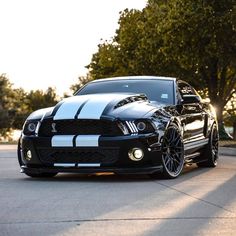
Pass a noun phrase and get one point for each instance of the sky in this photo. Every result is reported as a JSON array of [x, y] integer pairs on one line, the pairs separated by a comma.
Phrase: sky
[[49, 42]]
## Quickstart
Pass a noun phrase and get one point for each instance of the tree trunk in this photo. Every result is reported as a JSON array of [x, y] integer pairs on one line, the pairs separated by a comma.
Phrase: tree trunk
[[234, 130], [219, 107]]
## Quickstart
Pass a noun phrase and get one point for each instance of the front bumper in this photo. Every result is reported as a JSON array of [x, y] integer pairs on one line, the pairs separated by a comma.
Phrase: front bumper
[[115, 170], [110, 156]]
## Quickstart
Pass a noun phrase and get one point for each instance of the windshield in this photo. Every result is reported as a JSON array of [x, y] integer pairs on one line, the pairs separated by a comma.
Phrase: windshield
[[156, 90]]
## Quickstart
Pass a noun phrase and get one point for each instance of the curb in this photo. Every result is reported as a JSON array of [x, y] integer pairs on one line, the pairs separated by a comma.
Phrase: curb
[[227, 151]]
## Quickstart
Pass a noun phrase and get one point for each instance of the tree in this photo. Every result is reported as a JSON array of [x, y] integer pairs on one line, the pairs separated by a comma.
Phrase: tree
[[37, 99], [16, 104], [82, 80], [191, 40], [231, 115], [201, 36], [6, 104]]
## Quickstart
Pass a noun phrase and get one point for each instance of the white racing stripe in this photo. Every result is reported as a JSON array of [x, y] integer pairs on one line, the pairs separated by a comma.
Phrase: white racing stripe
[[62, 141], [87, 141], [64, 164], [69, 108], [89, 164], [95, 106]]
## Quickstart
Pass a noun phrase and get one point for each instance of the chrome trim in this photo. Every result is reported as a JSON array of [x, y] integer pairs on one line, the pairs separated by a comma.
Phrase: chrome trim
[[130, 127], [195, 144], [37, 127], [123, 128], [135, 127], [192, 155]]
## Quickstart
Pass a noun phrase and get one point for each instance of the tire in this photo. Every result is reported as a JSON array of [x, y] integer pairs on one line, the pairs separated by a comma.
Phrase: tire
[[172, 154], [210, 153]]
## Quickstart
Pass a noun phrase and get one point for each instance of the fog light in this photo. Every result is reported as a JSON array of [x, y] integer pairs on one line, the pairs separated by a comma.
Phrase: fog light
[[136, 154], [28, 155]]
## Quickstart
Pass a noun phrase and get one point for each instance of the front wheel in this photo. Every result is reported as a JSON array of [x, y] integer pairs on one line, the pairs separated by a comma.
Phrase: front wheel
[[211, 151], [172, 153]]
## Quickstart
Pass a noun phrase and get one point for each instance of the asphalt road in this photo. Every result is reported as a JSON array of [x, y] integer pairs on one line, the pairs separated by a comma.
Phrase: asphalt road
[[199, 202]]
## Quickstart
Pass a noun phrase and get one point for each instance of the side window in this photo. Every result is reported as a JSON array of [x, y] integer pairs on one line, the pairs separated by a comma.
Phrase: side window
[[186, 89]]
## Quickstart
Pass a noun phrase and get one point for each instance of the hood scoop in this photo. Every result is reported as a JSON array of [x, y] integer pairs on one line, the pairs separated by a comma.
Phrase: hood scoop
[[128, 100]]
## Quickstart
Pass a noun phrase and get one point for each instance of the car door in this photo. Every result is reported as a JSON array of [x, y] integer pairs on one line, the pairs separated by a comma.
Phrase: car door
[[192, 116]]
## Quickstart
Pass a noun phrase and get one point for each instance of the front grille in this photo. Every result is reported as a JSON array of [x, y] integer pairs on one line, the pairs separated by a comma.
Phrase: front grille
[[103, 156], [76, 127]]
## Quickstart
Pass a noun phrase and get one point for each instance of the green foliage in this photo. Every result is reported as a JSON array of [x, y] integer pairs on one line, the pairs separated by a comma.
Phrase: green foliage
[[191, 40], [6, 103], [37, 99], [82, 80], [16, 104]]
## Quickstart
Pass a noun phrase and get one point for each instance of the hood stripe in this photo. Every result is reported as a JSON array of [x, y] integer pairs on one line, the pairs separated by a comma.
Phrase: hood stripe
[[79, 110], [69, 108], [85, 106], [94, 108]]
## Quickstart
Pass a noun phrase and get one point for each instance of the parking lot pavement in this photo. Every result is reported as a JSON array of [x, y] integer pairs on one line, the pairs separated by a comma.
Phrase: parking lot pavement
[[200, 202], [8, 151]]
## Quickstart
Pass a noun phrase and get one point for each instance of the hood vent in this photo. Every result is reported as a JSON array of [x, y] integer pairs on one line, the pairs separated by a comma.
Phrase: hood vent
[[128, 100]]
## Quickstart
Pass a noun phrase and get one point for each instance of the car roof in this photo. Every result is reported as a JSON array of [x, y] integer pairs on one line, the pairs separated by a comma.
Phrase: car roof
[[134, 78]]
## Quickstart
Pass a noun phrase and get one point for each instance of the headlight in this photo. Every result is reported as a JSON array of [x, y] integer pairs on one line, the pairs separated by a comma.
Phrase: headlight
[[144, 126], [141, 126], [30, 127]]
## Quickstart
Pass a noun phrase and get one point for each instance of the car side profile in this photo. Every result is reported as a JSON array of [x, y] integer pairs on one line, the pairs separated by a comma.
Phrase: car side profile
[[125, 125]]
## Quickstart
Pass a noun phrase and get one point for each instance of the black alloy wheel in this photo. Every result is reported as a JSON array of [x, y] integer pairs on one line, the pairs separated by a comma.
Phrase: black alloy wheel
[[172, 152], [210, 153]]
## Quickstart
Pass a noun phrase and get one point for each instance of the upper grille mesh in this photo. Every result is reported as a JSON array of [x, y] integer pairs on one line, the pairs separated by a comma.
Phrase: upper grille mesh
[[76, 127]]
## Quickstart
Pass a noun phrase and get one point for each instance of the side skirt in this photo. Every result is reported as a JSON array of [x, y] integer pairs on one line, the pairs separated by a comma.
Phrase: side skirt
[[196, 144]]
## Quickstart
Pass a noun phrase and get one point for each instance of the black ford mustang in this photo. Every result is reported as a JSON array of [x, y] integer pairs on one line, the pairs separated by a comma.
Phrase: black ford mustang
[[133, 125]]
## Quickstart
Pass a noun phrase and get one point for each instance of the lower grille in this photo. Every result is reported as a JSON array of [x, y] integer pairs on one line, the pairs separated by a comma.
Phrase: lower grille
[[103, 156]]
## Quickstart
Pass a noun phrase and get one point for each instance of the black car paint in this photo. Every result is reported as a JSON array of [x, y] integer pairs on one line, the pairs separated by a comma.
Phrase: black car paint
[[194, 122]]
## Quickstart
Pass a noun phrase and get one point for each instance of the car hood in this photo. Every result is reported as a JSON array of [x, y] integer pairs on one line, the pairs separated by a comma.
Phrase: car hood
[[99, 106]]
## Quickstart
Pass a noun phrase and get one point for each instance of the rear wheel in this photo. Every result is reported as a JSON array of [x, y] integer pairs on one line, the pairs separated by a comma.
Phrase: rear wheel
[[211, 151], [172, 153]]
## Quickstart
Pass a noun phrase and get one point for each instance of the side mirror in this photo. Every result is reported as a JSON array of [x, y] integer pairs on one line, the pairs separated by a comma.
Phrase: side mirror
[[188, 99]]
